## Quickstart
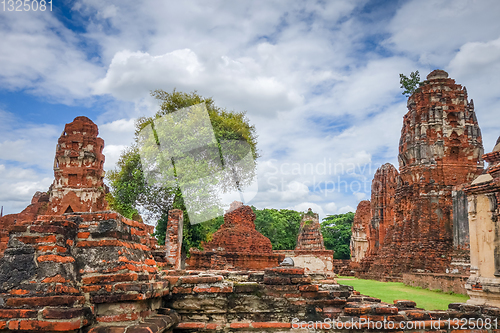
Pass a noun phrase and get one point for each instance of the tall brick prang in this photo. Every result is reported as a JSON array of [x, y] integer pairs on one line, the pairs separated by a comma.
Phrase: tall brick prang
[[440, 147]]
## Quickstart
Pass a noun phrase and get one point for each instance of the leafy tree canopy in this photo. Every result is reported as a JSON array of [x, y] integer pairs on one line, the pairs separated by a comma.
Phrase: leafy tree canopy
[[336, 230], [410, 84], [130, 191], [280, 226]]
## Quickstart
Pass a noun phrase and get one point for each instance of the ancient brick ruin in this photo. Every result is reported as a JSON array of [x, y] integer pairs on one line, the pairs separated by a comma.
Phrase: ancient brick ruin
[[361, 231], [483, 196], [310, 252], [236, 245], [38, 206], [70, 265], [440, 148], [310, 237], [98, 272], [78, 170]]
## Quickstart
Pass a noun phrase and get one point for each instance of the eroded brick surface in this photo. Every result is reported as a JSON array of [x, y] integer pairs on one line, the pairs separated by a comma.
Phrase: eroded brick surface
[[440, 147], [78, 170], [361, 231], [310, 237]]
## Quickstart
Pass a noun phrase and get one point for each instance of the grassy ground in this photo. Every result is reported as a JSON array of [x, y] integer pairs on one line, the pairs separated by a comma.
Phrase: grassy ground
[[389, 291]]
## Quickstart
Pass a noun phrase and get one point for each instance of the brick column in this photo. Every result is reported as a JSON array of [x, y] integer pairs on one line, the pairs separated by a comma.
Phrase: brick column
[[173, 238]]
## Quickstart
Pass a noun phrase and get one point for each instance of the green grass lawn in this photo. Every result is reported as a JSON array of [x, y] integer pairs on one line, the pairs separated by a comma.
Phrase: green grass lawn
[[390, 291]]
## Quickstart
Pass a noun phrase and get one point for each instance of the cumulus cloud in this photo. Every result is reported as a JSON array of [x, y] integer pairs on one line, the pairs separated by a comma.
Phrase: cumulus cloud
[[42, 56], [433, 30], [19, 185], [240, 83]]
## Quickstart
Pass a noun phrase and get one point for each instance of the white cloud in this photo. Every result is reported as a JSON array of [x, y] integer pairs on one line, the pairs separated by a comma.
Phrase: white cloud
[[433, 30], [18, 186], [330, 208], [304, 206], [346, 209], [40, 55], [235, 82]]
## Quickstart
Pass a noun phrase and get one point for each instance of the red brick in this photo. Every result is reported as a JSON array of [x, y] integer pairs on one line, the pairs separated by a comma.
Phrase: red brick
[[19, 292], [190, 325], [286, 271], [271, 325], [63, 313], [239, 325], [49, 248], [357, 311], [37, 239], [213, 326], [388, 310], [180, 290], [58, 278], [109, 278], [45, 301], [172, 280], [201, 279], [55, 258], [118, 317], [412, 218], [301, 280], [116, 298], [312, 287], [108, 329], [18, 313], [88, 289], [58, 326], [276, 280]]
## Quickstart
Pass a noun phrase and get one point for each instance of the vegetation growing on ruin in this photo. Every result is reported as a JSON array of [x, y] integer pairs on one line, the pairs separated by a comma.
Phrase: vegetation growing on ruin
[[336, 230], [410, 84]]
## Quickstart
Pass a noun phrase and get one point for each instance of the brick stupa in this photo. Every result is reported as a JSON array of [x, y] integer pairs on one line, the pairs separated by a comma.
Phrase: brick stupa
[[310, 237], [236, 245], [78, 170]]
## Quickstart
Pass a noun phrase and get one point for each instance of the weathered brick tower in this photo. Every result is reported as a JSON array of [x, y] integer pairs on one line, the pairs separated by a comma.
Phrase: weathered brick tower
[[440, 147], [310, 237], [78, 170]]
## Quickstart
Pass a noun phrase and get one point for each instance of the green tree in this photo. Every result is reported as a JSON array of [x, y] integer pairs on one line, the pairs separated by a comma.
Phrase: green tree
[[409, 84], [336, 230], [280, 226], [130, 193]]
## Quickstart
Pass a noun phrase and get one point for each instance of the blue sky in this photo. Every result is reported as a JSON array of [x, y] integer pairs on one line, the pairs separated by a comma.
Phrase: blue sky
[[318, 79]]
